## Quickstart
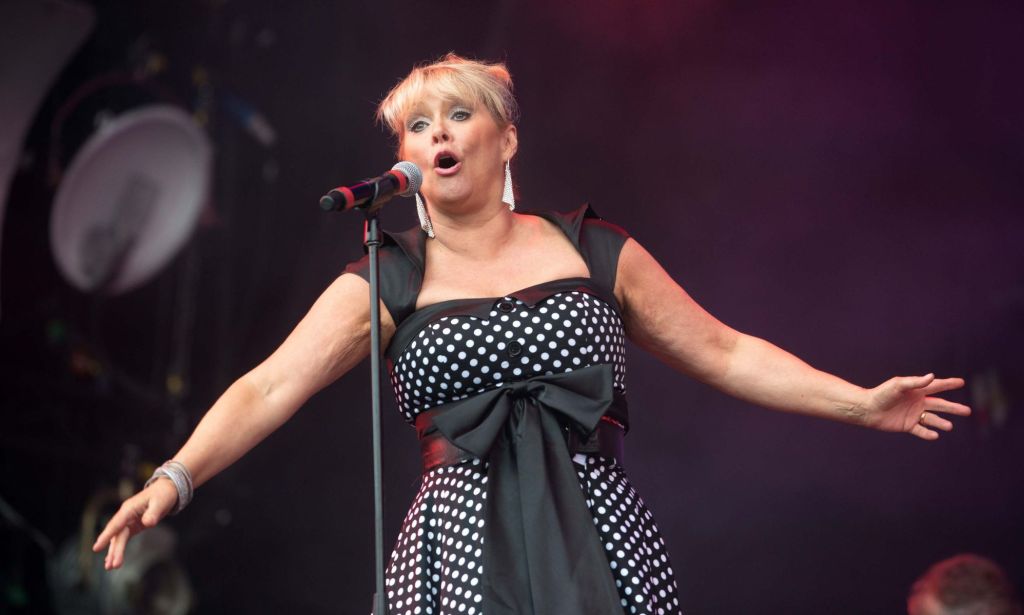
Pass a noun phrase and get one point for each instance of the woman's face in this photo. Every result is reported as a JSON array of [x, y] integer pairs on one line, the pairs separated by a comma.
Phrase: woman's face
[[460, 149]]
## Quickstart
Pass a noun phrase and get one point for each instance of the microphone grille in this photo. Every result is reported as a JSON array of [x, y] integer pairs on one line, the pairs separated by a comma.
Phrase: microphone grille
[[411, 171]]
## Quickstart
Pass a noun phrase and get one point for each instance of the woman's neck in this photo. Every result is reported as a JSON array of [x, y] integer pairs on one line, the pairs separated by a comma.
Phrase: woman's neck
[[475, 235]]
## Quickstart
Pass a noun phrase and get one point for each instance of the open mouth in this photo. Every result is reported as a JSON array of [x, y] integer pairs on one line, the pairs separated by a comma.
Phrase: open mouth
[[445, 160]]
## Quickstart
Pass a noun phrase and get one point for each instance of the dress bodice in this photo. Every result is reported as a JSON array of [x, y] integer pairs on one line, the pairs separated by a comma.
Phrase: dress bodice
[[453, 356], [453, 349]]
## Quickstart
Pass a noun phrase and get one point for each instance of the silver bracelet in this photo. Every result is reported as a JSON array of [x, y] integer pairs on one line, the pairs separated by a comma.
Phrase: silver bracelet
[[177, 473]]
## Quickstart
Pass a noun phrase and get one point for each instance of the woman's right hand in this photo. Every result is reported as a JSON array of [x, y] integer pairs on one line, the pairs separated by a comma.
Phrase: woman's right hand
[[141, 511]]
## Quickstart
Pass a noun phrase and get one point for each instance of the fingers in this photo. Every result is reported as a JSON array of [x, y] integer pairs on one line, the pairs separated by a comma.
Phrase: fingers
[[943, 384], [937, 404], [932, 420], [115, 555], [907, 383], [143, 510], [122, 519], [929, 385], [114, 526], [924, 433]]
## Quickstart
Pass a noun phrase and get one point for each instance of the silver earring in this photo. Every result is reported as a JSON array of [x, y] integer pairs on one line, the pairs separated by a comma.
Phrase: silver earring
[[506, 195], [421, 211]]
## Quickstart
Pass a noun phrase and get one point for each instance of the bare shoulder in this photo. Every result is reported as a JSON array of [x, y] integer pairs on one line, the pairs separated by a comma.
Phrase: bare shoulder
[[548, 244], [638, 276], [660, 317], [347, 302]]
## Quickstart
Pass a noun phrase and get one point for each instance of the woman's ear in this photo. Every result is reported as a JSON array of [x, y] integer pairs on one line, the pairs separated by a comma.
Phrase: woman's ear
[[510, 142]]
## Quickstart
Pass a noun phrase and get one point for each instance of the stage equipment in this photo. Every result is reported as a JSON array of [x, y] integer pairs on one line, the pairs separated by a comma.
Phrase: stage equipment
[[372, 240], [130, 199], [404, 179], [37, 38]]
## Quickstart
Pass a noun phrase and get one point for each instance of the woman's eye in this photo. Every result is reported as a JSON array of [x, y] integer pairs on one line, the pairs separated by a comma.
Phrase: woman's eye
[[460, 114], [417, 126]]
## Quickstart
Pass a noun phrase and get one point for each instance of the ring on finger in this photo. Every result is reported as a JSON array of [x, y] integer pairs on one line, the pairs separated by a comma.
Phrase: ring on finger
[[921, 420]]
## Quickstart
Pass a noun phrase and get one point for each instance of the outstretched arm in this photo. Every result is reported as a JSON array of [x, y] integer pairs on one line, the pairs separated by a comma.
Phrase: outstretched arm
[[332, 338], [662, 318]]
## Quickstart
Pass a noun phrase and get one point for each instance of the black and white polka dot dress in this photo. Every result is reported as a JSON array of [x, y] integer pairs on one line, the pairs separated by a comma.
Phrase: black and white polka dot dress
[[455, 349]]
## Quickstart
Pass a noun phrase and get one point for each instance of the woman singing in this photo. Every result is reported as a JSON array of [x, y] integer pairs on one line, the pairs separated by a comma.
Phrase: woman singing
[[505, 337]]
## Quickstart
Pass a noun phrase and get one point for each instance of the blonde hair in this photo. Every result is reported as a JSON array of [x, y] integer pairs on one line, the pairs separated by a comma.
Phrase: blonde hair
[[452, 78]]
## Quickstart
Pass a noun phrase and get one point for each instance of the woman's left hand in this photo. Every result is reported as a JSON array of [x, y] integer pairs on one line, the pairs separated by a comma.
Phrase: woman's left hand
[[903, 403]]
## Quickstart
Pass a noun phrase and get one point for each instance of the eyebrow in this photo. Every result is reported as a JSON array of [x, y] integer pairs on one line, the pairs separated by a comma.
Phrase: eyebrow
[[460, 102], [417, 108]]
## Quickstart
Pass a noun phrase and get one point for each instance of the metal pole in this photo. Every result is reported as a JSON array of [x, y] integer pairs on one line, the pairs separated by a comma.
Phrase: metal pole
[[372, 241]]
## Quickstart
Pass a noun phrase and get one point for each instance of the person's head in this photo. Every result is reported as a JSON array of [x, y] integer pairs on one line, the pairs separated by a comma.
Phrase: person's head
[[964, 584], [455, 119]]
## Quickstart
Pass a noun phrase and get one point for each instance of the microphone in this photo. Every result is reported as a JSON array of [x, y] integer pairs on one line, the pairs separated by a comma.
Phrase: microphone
[[404, 179]]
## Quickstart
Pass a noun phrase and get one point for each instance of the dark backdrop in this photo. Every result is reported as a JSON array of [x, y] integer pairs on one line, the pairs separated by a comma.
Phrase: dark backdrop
[[842, 179]]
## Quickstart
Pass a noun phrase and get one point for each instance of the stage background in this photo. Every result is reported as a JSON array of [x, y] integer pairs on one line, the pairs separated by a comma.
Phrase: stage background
[[843, 179]]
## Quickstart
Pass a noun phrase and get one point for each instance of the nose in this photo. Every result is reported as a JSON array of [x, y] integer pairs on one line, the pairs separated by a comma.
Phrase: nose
[[440, 134]]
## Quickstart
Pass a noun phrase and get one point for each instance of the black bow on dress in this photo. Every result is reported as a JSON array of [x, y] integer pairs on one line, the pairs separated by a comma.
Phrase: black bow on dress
[[542, 553]]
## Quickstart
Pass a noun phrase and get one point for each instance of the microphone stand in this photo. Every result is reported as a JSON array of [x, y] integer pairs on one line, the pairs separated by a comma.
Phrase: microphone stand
[[372, 241], [406, 171]]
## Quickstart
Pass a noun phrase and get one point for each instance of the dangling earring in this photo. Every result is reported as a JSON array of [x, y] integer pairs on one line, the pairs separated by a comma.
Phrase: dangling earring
[[506, 195], [421, 211]]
